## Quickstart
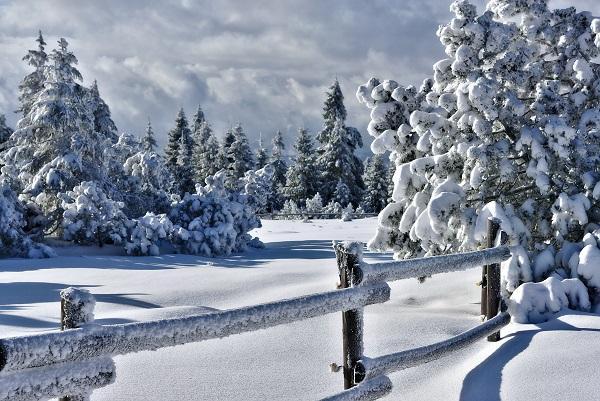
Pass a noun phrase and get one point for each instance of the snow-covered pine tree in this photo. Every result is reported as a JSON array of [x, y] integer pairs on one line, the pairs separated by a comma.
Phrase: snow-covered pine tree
[[172, 150], [55, 146], [277, 160], [33, 83], [342, 193], [262, 157], [149, 142], [5, 130], [206, 157], [302, 178], [149, 180], [337, 146], [507, 127], [239, 157], [375, 197], [103, 123], [390, 180], [185, 170]]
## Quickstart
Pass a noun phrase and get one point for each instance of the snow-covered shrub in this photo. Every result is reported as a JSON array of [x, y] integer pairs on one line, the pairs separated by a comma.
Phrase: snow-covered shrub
[[537, 302], [333, 207], [347, 213], [13, 239], [507, 127], [91, 217], [147, 233], [315, 204], [214, 221], [290, 207]]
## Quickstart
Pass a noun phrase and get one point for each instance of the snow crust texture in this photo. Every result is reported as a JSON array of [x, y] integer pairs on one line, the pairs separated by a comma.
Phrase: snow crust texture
[[372, 389]]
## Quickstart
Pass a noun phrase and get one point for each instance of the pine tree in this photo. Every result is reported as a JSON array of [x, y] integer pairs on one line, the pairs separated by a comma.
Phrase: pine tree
[[33, 83], [376, 182], [224, 151], [5, 131], [302, 178], [55, 146], [198, 119], [185, 170], [341, 194], [239, 158], [262, 158], [172, 150], [276, 200], [149, 142], [337, 146], [206, 158], [103, 123], [390, 180]]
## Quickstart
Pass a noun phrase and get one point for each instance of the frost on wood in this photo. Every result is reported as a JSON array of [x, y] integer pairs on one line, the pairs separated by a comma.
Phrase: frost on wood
[[91, 341], [58, 380], [373, 367], [538, 302], [372, 389], [507, 127], [77, 307], [412, 268]]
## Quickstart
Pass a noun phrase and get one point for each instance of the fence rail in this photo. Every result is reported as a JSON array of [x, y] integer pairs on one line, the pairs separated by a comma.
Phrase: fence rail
[[275, 216], [55, 355]]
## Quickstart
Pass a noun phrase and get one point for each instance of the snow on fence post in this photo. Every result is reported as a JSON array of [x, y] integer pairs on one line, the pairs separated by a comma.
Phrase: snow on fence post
[[76, 309], [348, 255], [492, 279]]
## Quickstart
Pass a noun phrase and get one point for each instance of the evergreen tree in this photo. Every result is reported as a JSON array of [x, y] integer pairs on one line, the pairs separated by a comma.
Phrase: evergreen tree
[[390, 180], [262, 158], [302, 177], [198, 119], [342, 193], [239, 158], [206, 156], [103, 123], [376, 182], [5, 131], [33, 83], [185, 170], [337, 146], [149, 142], [172, 151], [55, 146], [224, 151], [280, 169]]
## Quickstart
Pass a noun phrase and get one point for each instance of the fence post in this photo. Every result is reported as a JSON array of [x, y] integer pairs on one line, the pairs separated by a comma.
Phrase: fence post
[[76, 309], [492, 299], [348, 260]]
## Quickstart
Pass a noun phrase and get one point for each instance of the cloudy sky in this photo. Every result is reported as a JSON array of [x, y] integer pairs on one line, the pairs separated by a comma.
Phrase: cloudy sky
[[263, 63]]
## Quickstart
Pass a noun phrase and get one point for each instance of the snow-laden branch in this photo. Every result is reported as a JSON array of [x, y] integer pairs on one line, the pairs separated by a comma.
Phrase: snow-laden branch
[[370, 368], [92, 341], [411, 268], [369, 390], [57, 380]]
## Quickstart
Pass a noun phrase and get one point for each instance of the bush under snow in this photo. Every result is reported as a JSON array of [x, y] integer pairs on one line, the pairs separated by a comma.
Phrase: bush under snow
[[147, 234], [91, 217]]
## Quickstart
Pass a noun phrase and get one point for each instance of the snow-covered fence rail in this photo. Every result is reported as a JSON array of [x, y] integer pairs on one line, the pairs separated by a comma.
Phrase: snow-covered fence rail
[[91, 341], [307, 215], [363, 376]]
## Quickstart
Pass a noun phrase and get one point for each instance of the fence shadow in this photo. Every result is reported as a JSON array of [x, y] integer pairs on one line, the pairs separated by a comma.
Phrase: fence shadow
[[485, 380]]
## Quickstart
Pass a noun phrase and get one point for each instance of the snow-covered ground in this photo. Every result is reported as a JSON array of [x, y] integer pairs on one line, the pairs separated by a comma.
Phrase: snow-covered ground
[[291, 362]]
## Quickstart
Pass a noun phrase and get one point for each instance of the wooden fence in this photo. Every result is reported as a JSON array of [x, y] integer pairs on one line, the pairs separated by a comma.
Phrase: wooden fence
[[73, 362], [307, 215]]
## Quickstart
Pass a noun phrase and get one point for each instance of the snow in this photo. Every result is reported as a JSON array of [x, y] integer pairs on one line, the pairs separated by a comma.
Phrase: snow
[[298, 260]]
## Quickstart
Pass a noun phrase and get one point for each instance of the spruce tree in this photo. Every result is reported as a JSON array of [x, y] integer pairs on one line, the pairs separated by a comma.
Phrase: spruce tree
[[33, 83], [302, 177], [206, 156], [239, 158], [224, 151], [174, 142], [55, 146], [5, 131], [276, 199], [185, 170], [149, 142], [376, 182], [341, 194], [262, 157], [103, 123], [337, 146]]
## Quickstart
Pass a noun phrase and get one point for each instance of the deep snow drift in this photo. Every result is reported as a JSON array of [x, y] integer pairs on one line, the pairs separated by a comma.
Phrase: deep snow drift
[[292, 362]]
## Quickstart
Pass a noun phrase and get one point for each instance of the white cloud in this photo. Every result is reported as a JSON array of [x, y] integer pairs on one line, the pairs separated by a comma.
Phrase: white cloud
[[264, 63]]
